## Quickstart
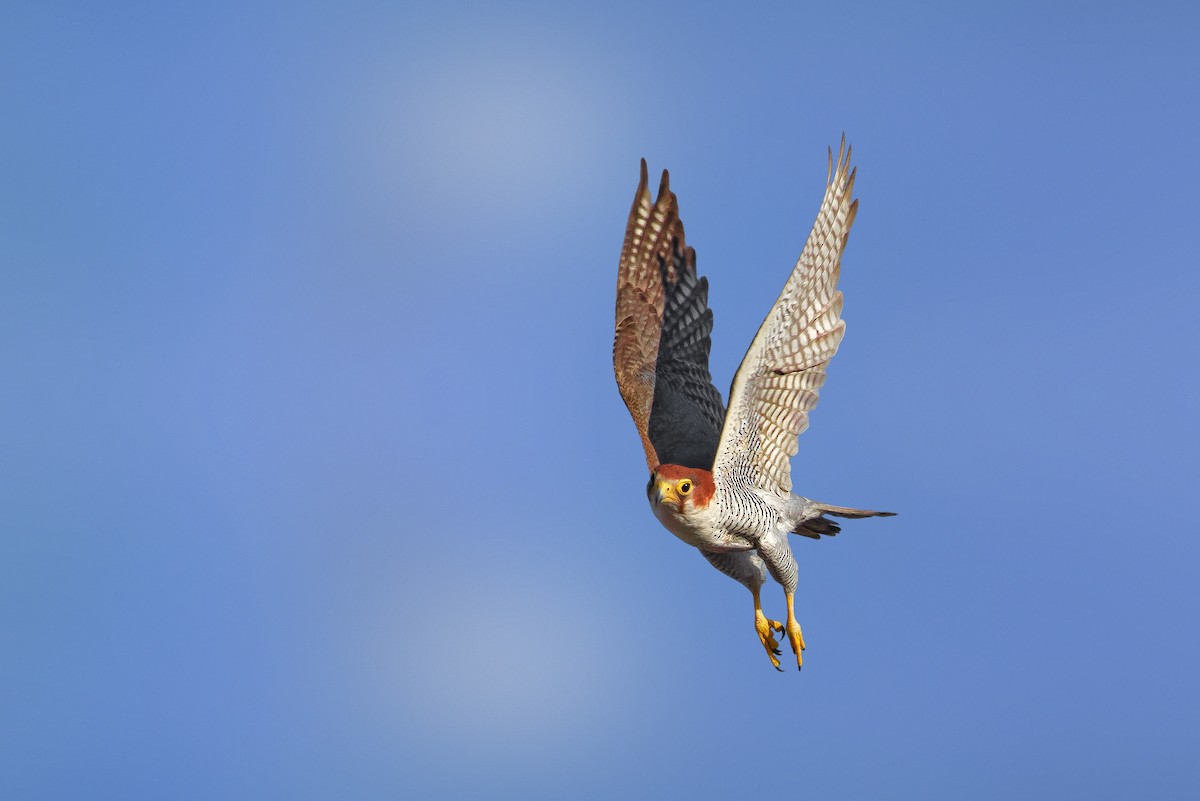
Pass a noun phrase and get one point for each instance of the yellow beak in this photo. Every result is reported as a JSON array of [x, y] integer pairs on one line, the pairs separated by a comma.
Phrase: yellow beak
[[665, 491]]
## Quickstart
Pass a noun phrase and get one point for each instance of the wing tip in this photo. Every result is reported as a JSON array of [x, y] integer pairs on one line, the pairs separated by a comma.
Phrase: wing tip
[[664, 184], [837, 170]]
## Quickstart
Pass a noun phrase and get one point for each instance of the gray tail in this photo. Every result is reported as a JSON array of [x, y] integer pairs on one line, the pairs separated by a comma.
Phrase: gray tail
[[815, 527]]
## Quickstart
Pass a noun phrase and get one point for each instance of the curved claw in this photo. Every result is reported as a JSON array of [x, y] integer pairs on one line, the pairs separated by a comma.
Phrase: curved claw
[[795, 637], [764, 627]]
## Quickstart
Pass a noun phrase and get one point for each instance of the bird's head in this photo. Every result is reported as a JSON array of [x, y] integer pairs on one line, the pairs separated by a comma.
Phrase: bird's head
[[680, 489]]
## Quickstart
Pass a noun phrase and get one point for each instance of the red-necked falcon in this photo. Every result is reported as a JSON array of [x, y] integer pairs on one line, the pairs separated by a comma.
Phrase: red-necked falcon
[[720, 479]]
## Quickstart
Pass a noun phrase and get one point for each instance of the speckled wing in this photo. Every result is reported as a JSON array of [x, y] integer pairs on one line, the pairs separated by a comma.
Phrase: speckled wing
[[663, 328], [778, 382]]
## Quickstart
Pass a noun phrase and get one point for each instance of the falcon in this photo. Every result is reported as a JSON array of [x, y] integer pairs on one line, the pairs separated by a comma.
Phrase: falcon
[[720, 478]]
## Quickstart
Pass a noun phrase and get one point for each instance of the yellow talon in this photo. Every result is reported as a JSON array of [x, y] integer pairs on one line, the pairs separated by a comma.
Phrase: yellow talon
[[763, 626], [793, 631]]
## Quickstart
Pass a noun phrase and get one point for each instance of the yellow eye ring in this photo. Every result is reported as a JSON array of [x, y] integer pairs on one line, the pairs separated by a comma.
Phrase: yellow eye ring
[[685, 487]]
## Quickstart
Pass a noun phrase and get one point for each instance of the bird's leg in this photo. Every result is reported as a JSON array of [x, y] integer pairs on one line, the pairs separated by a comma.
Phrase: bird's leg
[[764, 626], [793, 631], [777, 557]]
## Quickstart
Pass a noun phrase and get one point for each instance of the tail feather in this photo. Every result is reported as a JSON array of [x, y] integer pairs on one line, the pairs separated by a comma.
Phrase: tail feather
[[815, 527]]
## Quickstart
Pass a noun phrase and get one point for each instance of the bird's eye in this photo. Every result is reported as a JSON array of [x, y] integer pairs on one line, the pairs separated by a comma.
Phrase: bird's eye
[[685, 487]]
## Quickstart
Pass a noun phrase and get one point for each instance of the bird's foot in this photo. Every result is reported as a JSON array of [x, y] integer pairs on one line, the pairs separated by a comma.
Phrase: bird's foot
[[797, 640], [764, 626]]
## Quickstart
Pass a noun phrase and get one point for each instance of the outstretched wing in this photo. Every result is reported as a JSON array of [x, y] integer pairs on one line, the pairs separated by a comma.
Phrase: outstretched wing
[[777, 383], [660, 353]]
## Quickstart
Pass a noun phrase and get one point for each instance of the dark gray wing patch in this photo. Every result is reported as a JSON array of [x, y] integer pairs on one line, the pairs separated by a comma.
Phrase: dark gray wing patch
[[687, 414]]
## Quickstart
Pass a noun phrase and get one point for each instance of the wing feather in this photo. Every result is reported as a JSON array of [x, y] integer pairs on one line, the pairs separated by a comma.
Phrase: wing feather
[[663, 328], [685, 424], [780, 377], [640, 309]]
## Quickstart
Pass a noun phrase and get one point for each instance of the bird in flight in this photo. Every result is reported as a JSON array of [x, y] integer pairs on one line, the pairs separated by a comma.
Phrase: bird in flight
[[720, 479]]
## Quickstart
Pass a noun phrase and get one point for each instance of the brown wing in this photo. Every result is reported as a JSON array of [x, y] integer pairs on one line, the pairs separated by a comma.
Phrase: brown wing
[[660, 353]]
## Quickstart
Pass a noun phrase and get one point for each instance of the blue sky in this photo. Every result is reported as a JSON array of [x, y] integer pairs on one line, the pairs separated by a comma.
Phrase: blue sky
[[315, 479]]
